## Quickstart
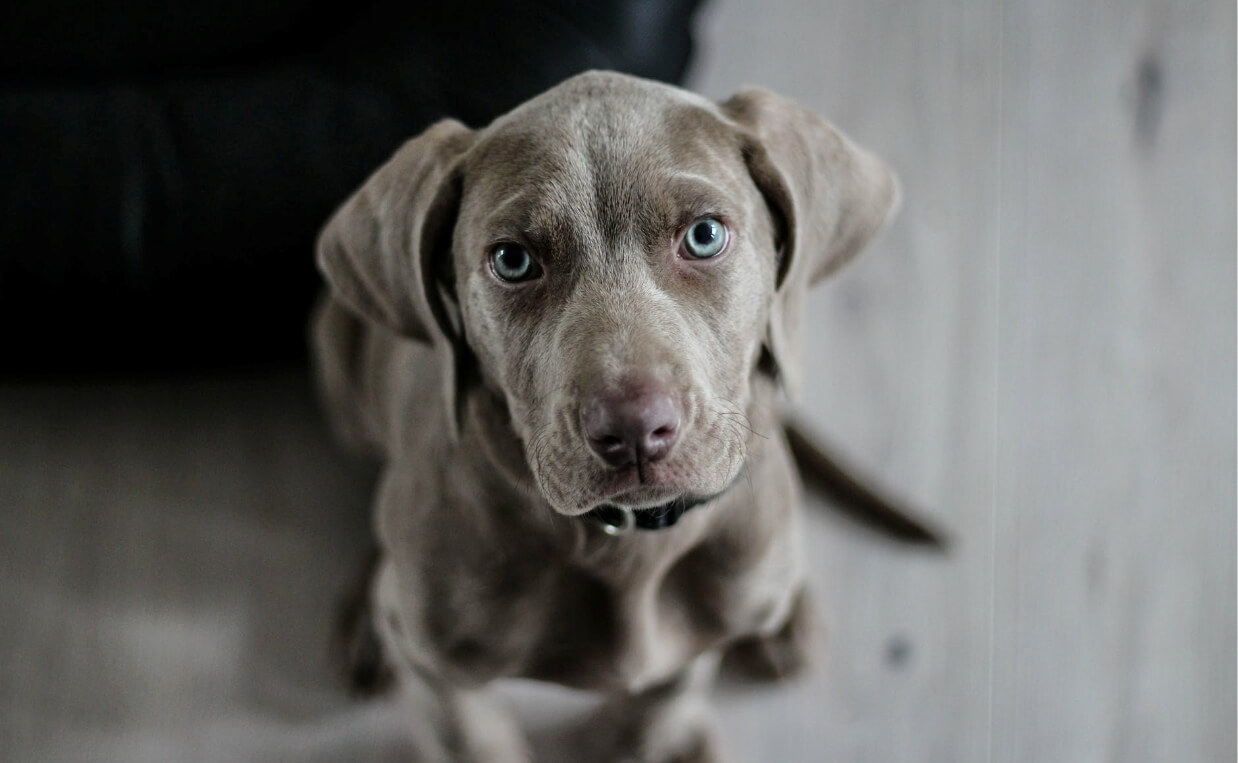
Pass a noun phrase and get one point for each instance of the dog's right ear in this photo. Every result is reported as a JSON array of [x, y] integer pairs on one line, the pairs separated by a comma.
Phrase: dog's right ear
[[829, 198], [381, 252]]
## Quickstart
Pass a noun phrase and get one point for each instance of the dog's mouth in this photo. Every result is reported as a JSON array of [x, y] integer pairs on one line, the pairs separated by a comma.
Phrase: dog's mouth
[[618, 519], [644, 497]]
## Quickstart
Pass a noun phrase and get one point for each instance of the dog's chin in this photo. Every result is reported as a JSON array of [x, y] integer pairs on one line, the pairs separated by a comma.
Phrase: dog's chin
[[629, 492], [640, 497], [643, 497]]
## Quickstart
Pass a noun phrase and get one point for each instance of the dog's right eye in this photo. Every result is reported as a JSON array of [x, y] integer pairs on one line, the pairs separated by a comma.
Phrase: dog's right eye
[[705, 238], [511, 262]]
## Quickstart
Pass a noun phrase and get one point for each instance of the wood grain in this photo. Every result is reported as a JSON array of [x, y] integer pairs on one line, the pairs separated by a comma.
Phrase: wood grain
[[1042, 348]]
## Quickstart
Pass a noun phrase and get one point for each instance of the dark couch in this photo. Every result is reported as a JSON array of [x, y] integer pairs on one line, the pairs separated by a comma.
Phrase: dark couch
[[166, 166]]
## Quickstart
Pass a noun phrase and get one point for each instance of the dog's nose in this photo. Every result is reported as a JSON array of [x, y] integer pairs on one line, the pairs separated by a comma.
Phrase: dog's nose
[[638, 425]]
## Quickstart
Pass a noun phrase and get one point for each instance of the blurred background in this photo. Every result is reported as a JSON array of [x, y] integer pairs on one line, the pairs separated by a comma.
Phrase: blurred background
[[1039, 354]]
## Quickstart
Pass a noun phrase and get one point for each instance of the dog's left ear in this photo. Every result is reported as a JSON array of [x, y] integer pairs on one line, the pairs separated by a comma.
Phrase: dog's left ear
[[829, 198]]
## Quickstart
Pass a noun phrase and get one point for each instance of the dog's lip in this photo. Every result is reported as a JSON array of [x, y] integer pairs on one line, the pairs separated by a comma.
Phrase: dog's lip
[[642, 497], [680, 503], [636, 498], [663, 499], [627, 493]]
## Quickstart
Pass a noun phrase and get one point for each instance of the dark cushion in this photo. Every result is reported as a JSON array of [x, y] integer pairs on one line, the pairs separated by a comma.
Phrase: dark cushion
[[166, 172]]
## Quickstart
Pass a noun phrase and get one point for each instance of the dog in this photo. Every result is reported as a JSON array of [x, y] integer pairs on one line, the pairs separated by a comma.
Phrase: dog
[[566, 335]]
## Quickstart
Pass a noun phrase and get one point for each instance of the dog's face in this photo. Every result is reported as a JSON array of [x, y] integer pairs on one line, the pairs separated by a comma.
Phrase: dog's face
[[616, 255], [612, 258]]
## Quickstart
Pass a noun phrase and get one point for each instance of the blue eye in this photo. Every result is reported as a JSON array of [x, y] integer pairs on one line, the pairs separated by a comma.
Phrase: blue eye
[[705, 238], [512, 262]]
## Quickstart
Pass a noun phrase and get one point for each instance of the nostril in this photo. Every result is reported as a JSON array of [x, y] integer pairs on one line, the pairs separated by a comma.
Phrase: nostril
[[658, 443]]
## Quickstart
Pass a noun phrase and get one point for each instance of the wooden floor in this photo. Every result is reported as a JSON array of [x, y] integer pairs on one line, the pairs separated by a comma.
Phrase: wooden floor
[[1041, 351]]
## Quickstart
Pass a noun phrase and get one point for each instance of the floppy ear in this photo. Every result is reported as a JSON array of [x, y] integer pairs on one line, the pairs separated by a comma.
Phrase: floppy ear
[[828, 197], [386, 252]]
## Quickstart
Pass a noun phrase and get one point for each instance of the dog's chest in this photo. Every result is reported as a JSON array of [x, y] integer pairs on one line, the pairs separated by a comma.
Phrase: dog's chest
[[622, 616]]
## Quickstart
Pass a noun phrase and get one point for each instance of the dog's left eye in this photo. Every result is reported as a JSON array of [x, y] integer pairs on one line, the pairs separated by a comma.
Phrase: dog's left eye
[[511, 262], [705, 238]]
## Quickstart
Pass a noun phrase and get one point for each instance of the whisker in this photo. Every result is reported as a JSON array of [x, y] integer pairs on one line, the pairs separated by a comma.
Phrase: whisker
[[739, 413], [743, 424]]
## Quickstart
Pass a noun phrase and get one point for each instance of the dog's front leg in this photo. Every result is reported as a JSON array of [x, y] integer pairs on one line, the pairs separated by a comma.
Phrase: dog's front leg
[[780, 655], [452, 724], [455, 725], [671, 722]]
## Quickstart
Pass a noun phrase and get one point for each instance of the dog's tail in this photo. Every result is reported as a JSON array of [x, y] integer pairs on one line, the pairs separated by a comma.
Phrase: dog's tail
[[822, 472]]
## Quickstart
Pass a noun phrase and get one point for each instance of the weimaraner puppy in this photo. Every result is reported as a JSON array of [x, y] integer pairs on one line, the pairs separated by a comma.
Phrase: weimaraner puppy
[[565, 335]]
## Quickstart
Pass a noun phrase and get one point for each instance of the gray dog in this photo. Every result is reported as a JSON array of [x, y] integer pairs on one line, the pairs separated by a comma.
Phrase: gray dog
[[564, 334]]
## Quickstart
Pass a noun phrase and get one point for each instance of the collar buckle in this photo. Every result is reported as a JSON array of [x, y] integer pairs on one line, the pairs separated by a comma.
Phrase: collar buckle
[[615, 520]]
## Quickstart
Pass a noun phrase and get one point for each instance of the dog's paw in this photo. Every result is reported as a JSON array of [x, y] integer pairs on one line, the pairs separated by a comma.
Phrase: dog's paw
[[356, 651], [764, 659], [704, 748], [364, 666], [679, 728], [782, 655], [697, 746]]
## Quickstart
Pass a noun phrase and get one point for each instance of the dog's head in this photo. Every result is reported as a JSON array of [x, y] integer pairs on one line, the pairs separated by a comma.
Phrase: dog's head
[[614, 260]]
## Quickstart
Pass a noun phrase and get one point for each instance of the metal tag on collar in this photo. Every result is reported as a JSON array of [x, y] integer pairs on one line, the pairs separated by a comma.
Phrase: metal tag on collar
[[615, 520]]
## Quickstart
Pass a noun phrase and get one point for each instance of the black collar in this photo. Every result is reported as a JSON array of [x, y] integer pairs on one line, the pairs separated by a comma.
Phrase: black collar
[[617, 521]]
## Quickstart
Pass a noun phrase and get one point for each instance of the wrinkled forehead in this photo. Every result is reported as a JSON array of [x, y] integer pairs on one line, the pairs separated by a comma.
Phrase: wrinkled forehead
[[586, 155]]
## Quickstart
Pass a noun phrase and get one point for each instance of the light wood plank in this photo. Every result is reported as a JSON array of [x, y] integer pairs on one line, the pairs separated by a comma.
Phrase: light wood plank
[[1041, 349], [1115, 624]]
